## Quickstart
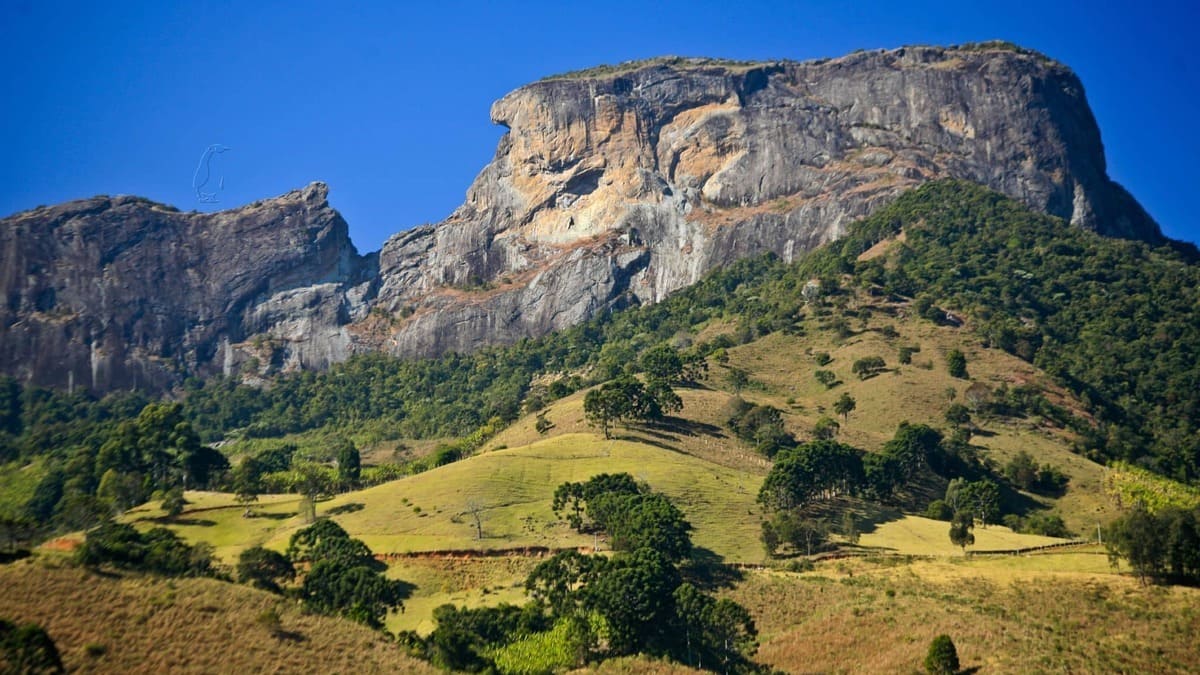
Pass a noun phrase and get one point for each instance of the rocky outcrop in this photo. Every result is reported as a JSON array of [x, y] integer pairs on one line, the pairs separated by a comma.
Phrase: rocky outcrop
[[120, 292], [612, 186], [624, 184]]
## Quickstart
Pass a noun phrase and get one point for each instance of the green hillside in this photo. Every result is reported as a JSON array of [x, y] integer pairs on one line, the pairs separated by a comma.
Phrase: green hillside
[[1028, 354]]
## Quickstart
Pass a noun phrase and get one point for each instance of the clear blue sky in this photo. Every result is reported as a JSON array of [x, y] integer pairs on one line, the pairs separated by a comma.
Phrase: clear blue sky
[[389, 105]]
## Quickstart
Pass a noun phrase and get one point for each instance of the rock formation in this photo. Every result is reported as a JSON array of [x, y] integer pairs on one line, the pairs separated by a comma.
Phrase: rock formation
[[612, 186], [119, 292]]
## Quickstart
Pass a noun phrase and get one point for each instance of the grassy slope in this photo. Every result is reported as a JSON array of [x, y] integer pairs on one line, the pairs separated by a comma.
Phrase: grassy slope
[[18, 480], [783, 367], [713, 477], [147, 624], [514, 488], [1050, 613]]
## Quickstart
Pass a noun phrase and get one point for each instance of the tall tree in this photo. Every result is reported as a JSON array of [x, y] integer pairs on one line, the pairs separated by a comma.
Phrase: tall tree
[[960, 530], [349, 462], [844, 406]]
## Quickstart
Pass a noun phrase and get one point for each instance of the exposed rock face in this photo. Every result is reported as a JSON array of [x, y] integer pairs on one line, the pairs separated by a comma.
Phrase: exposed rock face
[[638, 182], [613, 187], [119, 292]]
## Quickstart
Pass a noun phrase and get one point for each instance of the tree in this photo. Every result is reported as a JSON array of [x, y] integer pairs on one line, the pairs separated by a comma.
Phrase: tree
[[977, 396], [345, 578], [826, 428], [356, 592], [1022, 470], [957, 415], [310, 480], [326, 540], [844, 406], [868, 367], [174, 502], [1137, 537], [913, 446], [738, 378], [349, 462], [982, 499], [662, 363], [121, 490], [634, 594], [264, 568], [960, 530], [826, 377], [247, 484], [666, 398], [475, 510], [956, 364], [602, 407], [28, 649], [850, 527], [942, 658]]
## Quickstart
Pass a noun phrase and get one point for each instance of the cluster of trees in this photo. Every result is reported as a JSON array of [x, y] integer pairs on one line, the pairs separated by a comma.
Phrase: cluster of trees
[[343, 577], [626, 400], [804, 535], [760, 426], [27, 648], [1110, 319], [824, 469], [630, 514], [1023, 472], [591, 607], [157, 550], [111, 459], [868, 367], [1164, 545]]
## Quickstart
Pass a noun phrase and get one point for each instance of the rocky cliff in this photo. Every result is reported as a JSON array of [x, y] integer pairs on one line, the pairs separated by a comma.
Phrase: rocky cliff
[[612, 186], [119, 292]]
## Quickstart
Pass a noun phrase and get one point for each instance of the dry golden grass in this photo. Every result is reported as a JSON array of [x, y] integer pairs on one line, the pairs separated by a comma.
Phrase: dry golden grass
[[152, 625], [470, 582], [782, 366], [1004, 616], [914, 535]]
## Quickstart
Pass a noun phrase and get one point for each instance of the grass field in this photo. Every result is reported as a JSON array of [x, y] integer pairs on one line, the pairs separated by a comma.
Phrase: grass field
[[469, 582], [214, 518], [914, 535], [131, 623], [1039, 613], [514, 487], [782, 366], [18, 480]]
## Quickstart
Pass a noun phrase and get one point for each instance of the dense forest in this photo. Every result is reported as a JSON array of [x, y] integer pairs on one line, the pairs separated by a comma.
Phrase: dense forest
[[1112, 320]]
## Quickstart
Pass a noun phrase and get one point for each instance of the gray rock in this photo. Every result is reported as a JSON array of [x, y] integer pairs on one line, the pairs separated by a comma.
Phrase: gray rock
[[612, 187]]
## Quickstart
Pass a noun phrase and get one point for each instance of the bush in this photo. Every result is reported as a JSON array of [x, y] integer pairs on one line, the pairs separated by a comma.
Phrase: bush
[[942, 658], [939, 510], [956, 364], [906, 352]]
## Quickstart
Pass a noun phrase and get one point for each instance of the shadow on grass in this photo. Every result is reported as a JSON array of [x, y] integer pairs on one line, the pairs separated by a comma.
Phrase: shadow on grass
[[290, 636], [691, 428], [168, 520], [646, 441], [352, 507], [272, 516], [868, 516], [708, 571]]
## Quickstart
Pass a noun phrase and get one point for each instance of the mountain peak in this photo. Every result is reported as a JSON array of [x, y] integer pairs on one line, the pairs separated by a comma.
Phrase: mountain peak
[[613, 185]]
